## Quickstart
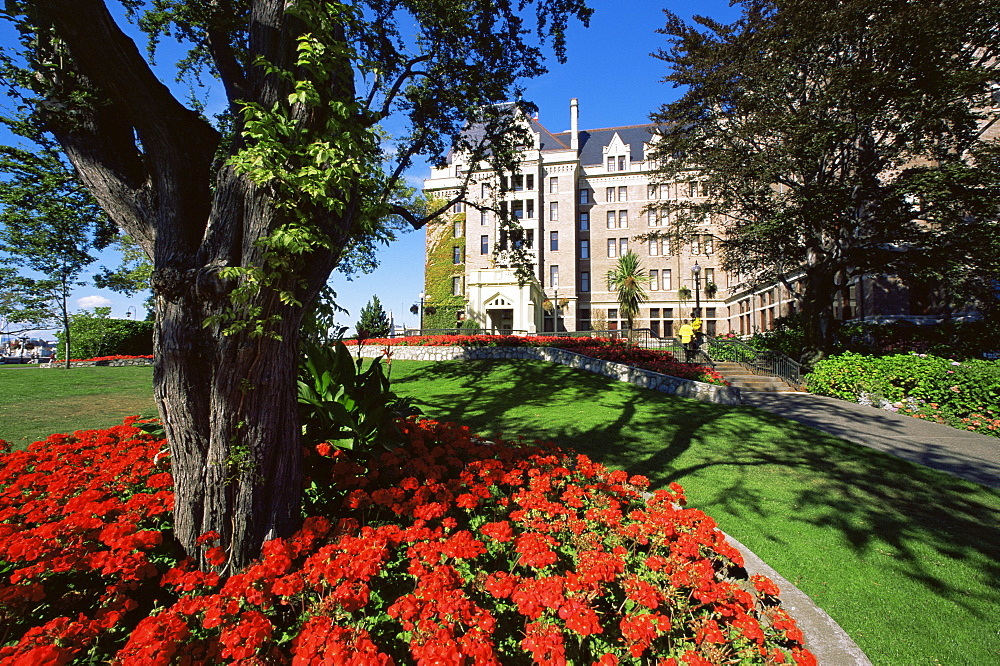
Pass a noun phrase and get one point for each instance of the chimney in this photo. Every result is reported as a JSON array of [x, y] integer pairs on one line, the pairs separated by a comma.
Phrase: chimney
[[574, 119]]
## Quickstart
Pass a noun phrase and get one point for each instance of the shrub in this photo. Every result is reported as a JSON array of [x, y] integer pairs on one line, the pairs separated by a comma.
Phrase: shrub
[[964, 394], [446, 550], [96, 334]]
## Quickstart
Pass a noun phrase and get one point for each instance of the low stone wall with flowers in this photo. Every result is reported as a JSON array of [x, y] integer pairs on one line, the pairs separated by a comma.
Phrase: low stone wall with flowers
[[115, 363], [684, 388]]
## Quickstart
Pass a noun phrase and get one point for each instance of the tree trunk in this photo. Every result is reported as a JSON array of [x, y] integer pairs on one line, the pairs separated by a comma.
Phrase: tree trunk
[[817, 311], [229, 409]]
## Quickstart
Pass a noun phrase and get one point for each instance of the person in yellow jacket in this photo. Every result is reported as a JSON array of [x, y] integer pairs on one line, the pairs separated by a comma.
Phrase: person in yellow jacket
[[686, 333]]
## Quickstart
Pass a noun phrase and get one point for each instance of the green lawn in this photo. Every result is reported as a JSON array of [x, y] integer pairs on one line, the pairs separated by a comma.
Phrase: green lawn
[[904, 558], [36, 402]]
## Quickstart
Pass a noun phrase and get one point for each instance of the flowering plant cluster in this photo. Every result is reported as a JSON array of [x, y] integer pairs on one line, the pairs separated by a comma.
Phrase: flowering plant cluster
[[963, 394], [116, 357], [448, 550], [605, 349]]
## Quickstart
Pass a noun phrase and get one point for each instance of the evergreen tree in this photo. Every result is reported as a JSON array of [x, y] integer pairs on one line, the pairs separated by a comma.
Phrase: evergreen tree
[[373, 323]]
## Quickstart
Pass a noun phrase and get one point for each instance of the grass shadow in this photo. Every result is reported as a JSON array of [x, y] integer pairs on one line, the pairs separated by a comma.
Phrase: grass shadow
[[840, 520]]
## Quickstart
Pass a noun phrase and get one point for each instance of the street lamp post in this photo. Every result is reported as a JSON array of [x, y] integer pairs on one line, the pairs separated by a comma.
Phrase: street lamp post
[[131, 312], [422, 294], [696, 272]]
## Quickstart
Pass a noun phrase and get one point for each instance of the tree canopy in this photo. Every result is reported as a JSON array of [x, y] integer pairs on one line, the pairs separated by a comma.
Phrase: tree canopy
[[245, 217], [49, 225], [839, 138]]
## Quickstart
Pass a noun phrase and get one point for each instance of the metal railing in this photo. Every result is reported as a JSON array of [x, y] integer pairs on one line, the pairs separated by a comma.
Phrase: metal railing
[[757, 361]]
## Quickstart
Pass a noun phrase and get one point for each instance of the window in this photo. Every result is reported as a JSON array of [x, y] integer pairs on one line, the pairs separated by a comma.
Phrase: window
[[709, 277], [457, 208], [710, 316], [456, 255], [621, 162], [553, 276], [612, 219], [518, 209], [585, 249], [654, 281], [654, 247], [484, 190], [611, 164], [623, 219], [456, 286], [623, 193], [709, 245], [554, 210], [458, 229], [585, 281], [693, 189], [585, 196], [612, 247], [664, 191], [696, 245], [622, 246], [612, 319], [667, 286], [652, 192], [553, 185], [482, 218], [530, 182], [518, 183], [484, 245], [553, 241], [666, 247], [584, 221], [652, 218], [458, 171], [531, 208], [609, 194]]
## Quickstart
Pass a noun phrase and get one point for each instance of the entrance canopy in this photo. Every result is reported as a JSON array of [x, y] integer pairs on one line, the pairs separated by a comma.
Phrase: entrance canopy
[[500, 305]]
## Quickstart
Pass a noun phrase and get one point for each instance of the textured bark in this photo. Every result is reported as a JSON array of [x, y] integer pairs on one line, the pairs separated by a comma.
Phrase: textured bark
[[228, 402], [228, 406]]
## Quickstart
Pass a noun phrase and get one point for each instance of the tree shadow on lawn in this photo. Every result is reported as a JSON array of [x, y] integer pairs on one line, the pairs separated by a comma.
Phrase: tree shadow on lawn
[[740, 461]]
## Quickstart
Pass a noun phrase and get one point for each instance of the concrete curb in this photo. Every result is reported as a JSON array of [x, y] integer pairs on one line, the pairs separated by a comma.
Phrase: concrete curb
[[824, 638]]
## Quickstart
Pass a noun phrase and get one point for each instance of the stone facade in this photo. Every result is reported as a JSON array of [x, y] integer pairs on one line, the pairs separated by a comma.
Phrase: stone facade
[[582, 198], [684, 388]]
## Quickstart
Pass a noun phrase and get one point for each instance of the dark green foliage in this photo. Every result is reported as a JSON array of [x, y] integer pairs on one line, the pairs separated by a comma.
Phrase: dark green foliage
[[97, 334], [373, 323], [943, 388], [342, 404]]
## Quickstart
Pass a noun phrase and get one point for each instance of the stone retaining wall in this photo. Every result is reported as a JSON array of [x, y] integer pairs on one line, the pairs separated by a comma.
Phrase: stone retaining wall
[[84, 364], [685, 388]]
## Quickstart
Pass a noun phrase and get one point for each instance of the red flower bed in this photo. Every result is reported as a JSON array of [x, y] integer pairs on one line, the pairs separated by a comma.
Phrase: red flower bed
[[117, 357], [449, 550], [604, 349]]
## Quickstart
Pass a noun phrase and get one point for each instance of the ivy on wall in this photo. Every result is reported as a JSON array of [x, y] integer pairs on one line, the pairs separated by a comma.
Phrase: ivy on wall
[[440, 305]]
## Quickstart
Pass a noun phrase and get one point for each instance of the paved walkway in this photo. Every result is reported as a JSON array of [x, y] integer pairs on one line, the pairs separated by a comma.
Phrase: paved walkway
[[965, 454]]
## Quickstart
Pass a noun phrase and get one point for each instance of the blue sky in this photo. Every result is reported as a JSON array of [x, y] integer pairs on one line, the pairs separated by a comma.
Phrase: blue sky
[[609, 69]]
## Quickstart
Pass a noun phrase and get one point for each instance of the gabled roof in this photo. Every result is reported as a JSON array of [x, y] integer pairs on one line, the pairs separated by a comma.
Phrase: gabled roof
[[593, 142]]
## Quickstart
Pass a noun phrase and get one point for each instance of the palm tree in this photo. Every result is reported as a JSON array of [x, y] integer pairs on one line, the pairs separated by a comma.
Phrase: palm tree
[[629, 279]]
